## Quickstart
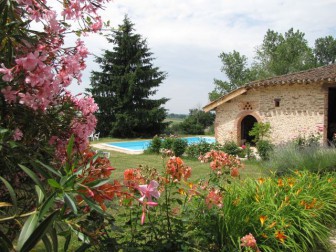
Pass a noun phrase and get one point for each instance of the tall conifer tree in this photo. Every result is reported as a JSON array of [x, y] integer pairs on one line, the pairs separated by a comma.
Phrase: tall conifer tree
[[123, 87]]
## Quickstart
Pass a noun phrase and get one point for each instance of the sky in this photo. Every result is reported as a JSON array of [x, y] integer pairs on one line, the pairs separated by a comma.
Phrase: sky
[[187, 36]]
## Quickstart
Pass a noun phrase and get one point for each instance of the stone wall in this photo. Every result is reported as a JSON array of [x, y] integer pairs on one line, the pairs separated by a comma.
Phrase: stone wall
[[301, 111]]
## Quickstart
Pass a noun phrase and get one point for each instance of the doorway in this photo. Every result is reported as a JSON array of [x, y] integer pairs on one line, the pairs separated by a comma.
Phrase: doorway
[[246, 125], [331, 113]]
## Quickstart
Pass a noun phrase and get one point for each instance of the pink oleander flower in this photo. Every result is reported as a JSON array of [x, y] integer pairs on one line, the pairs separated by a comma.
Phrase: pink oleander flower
[[248, 241], [147, 191], [7, 73], [97, 25], [243, 147], [17, 135], [9, 94]]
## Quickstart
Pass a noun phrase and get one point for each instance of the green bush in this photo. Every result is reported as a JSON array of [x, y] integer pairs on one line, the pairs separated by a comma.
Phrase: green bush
[[154, 145], [179, 146], [197, 149], [265, 149], [230, 147], [167, 143]]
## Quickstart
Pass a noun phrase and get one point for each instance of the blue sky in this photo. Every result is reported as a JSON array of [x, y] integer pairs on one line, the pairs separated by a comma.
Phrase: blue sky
[[186, 37]]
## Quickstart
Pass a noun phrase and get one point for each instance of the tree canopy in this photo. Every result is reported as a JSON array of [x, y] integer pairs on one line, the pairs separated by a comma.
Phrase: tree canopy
[[277, 55], [123, 87]]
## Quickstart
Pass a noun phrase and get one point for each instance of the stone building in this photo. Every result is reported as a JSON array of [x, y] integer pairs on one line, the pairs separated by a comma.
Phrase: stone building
[[300, 103]]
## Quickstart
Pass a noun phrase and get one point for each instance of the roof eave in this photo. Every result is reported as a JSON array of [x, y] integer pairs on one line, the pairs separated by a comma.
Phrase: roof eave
[[225, 98]]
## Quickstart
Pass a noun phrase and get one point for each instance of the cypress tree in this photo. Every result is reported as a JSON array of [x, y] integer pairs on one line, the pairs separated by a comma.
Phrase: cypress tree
[[124, 86]]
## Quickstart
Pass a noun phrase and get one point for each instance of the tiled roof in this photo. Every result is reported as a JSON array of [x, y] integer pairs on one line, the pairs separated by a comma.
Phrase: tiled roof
[[324, 74], [319, 74]]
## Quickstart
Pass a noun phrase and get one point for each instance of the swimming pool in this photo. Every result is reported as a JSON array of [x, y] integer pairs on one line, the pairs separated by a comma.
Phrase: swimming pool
[[141, 145]]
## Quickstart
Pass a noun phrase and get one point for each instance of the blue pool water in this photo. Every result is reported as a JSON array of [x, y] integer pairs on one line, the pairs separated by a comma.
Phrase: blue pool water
[[143, 144]]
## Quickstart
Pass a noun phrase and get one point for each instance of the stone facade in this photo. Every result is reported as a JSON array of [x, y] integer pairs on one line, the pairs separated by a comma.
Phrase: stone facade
[[291, 110]]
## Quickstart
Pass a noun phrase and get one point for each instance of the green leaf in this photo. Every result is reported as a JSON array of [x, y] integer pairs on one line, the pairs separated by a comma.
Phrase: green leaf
[[70, 146], [49, 168], [92, 204], [68, 181], [27, 230], [6, 241], [33, 176], [54, 238], [67, 242], [40, 195], [70, 202], [11, 193], [46, 205], [83, 247], [39, 232], [54, 183], [81, 236], [47, 243], [98, 182]]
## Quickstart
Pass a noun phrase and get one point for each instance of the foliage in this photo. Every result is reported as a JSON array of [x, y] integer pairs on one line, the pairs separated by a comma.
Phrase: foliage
[[265, 148], [195, 123], [230, 147], [154, 145], [39, 115], [279, 223], [197, 149], [277, 55], [260, 131], [281, 54], [312, 140], [123, 87], [325, 50], [289, 157], [235, 69], [177, 145]]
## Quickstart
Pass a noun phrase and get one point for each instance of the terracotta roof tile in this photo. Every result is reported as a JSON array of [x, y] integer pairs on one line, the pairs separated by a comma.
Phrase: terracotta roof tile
[[319, 74]]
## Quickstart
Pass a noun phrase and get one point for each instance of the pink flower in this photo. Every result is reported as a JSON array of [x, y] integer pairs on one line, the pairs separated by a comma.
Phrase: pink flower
[[17, 135], [97, 26], [248, 241], [7, 73], [30, 62], [147, 191], [10, 95], [243, 147]]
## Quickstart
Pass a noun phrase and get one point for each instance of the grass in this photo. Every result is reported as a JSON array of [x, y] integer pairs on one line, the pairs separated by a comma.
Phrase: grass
[[122, 161]]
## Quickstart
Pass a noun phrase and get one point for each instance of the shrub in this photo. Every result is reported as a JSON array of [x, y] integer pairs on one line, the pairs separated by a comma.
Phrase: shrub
[[312, 140], [179, 146], [231, 148], [154, 145], [260, 131], [197, 149], [264, 148], [167, 143]]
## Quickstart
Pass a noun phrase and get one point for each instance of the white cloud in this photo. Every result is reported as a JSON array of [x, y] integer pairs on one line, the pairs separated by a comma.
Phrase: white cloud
[[187, 36]]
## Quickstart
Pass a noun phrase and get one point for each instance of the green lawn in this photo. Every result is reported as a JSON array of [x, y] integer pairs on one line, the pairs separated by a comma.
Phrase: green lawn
[[122, 161]]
